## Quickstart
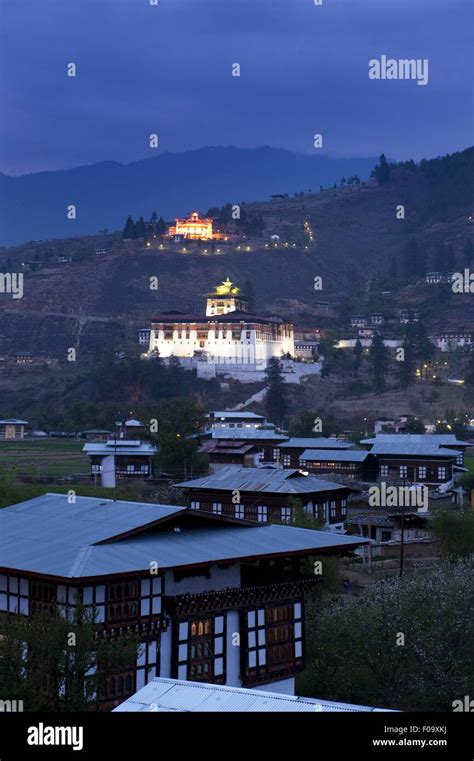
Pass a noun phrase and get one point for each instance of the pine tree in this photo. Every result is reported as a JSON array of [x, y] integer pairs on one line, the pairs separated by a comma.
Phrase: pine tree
[[382, 170], [161, 227], [141, 228], [276, 398], [128, 229], [379, 362], [154, 218]]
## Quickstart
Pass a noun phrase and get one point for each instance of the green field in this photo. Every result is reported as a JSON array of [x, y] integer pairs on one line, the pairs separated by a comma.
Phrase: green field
[[48, 457]]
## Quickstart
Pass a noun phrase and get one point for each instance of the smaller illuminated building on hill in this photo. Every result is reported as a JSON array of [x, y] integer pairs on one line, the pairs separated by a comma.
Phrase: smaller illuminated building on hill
[[193, 227]]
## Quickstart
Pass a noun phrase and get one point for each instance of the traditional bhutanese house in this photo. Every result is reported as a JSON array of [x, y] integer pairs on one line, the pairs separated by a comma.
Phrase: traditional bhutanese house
[[432, 440], [223, 452], [352, 463], [289, 452], [416, 463], [266, 440], [96, 434], [117, 459], [177, 695], [212, 599], [385, 530], [12, 429], [267, 494], [235, 419]]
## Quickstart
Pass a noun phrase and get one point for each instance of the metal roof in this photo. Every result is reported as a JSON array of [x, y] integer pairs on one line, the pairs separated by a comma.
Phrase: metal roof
[[49, 536], [433, 440], [317, 442], [231, 447], [246, 433], [353, 455], [120, 447], [422, 450], [235, 414], [269, 480], [164, 695]]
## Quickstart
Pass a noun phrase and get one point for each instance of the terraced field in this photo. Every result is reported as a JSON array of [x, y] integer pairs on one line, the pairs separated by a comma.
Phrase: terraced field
[[49, 457]]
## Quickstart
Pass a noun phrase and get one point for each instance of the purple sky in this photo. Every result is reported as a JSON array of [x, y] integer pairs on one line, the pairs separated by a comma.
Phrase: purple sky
[[167, 69]]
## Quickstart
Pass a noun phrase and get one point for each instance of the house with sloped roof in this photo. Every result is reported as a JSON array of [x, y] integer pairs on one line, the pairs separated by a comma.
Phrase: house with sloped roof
[[269, 495], [214, 599]]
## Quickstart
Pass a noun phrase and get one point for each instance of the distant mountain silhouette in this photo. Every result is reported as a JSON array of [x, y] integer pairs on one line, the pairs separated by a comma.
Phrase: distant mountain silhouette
[[34, 206]]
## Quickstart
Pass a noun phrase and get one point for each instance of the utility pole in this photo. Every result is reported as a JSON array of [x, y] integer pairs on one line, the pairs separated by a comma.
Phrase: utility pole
[[402, 536]]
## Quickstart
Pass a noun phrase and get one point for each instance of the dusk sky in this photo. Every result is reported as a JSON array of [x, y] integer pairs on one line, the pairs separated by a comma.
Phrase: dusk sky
[[304, 70]]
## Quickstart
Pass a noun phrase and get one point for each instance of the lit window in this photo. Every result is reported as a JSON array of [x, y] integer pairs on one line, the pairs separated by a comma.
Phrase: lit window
[[441, 474], [403, 471], [217, 508], [239, 511], [422, 472], [195, 505]]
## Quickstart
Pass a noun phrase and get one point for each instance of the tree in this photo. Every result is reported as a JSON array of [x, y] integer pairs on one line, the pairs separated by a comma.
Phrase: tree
[[55, 660], [420, 345], [161, 227], [276, 397], [141, 228], [129, 228], [455, 533], [154, 218], [406, 642], [358, 351], [379, 362], [382, 170], [415, 425]]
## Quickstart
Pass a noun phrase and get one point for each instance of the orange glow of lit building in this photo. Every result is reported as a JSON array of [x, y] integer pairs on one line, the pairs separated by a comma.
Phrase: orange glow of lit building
[[193, 227]]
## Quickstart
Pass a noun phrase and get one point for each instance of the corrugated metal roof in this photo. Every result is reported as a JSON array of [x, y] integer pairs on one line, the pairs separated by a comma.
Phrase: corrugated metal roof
[[433, 440], [317, 442], [49, 536], [235, 414], [121, 447], [174, 695], [268, 480], [353, 455], [247, 433], [382, 448]]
